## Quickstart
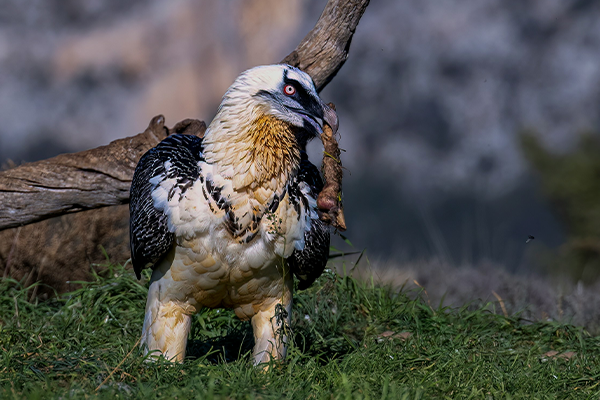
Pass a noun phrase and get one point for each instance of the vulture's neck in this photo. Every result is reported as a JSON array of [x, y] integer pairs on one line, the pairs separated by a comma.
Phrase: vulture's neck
[[253, 149]]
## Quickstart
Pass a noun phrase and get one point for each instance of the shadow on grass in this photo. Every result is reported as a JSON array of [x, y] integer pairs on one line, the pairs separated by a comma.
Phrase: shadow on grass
[[237, 343]]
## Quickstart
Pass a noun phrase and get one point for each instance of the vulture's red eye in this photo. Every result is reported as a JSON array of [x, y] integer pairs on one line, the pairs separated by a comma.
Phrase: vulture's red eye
[[289, 90]]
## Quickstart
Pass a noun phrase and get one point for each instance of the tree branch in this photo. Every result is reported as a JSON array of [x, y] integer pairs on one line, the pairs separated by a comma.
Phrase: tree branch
[[101, 177], [325, 49]]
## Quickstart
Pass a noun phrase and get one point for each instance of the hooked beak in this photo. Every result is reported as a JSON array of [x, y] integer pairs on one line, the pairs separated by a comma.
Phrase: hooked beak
[[314, 123], [330, 117]]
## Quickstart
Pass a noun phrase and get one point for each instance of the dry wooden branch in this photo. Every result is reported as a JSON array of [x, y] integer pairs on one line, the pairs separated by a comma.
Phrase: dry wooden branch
[[325, 49], [101, 177]]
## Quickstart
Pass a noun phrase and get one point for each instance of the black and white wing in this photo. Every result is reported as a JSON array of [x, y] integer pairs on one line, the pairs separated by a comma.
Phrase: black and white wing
[[308, 264], [177, 158]]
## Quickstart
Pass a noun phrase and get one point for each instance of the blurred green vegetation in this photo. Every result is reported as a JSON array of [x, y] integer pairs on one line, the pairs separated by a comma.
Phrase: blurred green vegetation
[[571, 182]]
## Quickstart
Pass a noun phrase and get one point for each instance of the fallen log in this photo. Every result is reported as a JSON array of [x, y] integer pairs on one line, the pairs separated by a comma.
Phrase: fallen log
[[79, 181]]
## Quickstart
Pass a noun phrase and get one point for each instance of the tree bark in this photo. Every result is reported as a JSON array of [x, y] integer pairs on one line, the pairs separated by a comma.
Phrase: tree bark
[[324, 50], [101, 177]]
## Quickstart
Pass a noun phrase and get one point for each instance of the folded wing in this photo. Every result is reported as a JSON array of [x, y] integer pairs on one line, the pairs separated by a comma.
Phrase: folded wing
[[176, 158], [308, 264]]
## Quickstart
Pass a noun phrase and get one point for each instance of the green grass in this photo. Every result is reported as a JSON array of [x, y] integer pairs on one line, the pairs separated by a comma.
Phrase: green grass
[[65, 348]]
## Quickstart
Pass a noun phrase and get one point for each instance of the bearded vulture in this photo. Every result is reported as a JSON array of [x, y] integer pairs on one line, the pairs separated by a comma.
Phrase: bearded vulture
[[224, 221]]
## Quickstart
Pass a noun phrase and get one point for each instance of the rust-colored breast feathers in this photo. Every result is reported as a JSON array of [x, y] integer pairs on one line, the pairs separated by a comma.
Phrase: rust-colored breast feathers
[[275, 149]]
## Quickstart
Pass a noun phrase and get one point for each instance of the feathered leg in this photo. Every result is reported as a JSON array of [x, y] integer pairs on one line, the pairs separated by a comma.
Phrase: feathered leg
[[166, 324], [271, 326]]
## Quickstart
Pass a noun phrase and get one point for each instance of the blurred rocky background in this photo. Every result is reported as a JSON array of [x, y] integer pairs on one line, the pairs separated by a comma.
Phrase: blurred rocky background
[[468, 126]]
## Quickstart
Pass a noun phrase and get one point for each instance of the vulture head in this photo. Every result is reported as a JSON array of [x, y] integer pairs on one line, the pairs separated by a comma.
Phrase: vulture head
[[266, 116]]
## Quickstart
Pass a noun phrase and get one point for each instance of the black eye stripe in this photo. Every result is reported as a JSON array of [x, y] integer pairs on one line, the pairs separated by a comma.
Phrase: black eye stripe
[[306, 100]]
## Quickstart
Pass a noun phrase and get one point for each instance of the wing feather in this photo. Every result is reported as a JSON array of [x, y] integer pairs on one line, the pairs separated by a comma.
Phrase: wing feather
[[177, 158], [309, 262]]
